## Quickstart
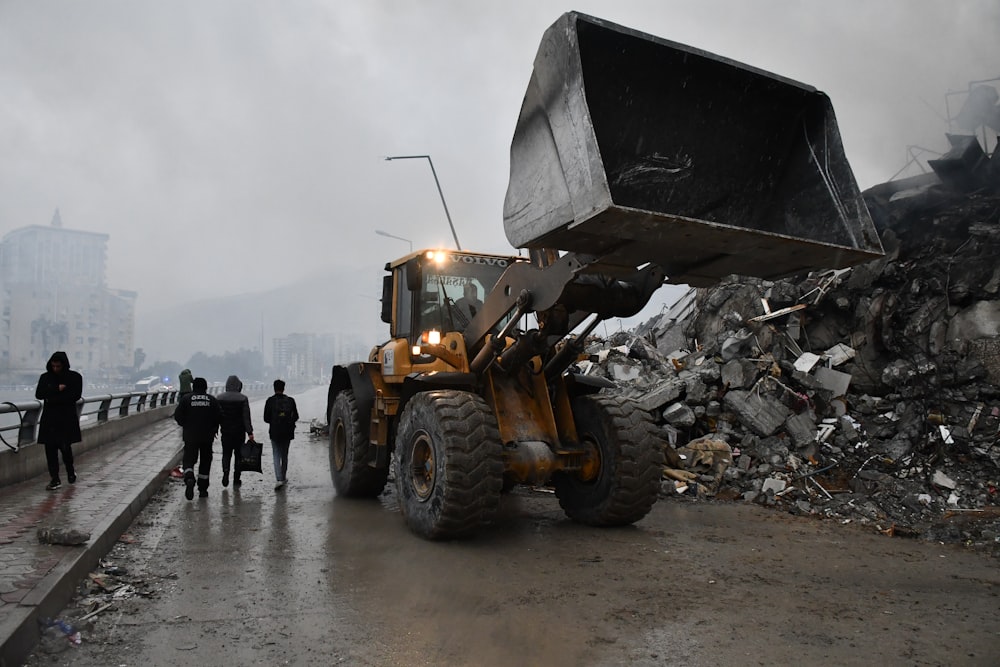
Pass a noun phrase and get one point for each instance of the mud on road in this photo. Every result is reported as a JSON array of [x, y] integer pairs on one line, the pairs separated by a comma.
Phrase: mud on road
[[304, 578]]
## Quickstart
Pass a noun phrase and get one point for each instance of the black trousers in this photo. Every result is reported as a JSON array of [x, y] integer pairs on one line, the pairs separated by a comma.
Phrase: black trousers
[[231, 450], [52, 451], [200, 453]]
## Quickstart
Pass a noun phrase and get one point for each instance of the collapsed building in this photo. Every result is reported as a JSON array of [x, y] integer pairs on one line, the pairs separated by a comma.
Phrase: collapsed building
[[868, 394]]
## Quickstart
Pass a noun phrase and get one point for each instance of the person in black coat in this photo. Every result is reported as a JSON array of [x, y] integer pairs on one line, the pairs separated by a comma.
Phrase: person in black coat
[[200, 416], [60, 388], [281, 413], [236, 427]]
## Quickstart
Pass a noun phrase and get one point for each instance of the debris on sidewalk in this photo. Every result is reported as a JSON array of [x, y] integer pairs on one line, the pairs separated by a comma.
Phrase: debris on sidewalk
[[118, 587], [58, 635], [60, 535]]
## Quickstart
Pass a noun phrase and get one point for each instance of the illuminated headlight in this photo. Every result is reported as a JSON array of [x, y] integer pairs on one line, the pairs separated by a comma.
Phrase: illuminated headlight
[[432, 337], [416, 350], [437, 256]]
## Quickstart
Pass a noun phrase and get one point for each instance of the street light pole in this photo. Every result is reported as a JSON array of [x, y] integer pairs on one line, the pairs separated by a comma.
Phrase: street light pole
[[393, 236], [436, 182]]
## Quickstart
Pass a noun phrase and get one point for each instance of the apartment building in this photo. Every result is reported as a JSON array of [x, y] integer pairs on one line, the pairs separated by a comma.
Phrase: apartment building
[[54, 297]]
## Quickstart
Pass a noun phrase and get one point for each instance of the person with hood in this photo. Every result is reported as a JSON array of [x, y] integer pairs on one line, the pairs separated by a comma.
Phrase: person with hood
[[281, 413], [236, 427], [184, 381], [60, 388], [199, 415]]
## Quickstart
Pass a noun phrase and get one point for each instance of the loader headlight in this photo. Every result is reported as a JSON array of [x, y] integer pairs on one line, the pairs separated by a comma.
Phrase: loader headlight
[[436, 256], [432, 337]]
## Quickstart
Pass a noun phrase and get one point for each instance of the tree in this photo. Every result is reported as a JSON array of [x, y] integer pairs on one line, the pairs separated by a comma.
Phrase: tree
[[248, 364]]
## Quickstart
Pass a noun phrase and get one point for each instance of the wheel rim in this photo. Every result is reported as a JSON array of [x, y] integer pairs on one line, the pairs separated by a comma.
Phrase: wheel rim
[[422, 466], [339, 445], [591, 470]]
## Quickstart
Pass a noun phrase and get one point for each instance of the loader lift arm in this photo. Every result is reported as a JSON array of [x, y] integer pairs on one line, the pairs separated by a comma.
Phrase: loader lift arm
[[562, 292]]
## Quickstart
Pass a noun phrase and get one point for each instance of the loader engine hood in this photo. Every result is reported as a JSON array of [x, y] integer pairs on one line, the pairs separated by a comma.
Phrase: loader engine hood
[[636, 149]]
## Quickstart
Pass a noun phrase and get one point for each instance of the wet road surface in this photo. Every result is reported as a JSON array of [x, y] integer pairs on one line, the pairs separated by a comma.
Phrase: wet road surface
[[300, 577]]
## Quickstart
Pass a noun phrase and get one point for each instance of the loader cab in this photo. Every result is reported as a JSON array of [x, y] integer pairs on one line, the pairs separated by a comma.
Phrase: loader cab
[[440, 290]]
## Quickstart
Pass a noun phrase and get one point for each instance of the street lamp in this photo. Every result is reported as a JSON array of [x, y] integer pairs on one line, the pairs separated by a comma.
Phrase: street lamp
[[438, 183], [393, 236]]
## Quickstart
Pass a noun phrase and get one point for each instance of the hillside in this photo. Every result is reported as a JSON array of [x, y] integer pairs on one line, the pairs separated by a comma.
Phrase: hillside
[[328, 303]]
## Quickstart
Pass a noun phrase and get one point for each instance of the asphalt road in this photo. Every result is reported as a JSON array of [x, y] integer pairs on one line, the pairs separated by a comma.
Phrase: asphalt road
[[300, 577]]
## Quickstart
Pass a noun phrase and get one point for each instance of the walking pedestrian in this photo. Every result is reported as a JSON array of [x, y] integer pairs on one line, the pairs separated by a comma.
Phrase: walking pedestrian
[[184, 381], [236, 427], [199, 415], [60, 388], [281, 413]]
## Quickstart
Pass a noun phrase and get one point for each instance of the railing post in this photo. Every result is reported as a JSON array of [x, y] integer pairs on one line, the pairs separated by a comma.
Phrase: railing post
[[29, 426], [102, 412]]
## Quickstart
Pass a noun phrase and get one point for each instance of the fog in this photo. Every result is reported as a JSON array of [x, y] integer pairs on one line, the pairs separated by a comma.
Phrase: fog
[[231, 147]]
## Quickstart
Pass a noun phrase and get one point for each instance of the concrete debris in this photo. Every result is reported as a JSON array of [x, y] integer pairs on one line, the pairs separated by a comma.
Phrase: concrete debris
[[839, 354], [318, 427], [869, 395], [942, 480]]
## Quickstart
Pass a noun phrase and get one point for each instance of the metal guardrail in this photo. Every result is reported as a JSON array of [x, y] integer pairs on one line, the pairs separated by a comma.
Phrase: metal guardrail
[[92, 410]]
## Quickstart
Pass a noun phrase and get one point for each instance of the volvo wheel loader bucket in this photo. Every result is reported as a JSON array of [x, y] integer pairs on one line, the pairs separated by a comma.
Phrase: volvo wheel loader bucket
[[637, 149]]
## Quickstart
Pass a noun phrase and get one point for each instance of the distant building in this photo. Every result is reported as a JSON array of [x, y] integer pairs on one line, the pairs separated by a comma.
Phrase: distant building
[[295, 358], [310, 357], [54, 297]]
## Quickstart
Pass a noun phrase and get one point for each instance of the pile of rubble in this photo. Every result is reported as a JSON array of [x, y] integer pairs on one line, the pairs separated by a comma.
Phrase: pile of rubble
[[869, 394]]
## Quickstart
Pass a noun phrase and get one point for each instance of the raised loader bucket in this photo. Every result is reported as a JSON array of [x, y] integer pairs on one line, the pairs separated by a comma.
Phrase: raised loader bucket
[[637, 149]]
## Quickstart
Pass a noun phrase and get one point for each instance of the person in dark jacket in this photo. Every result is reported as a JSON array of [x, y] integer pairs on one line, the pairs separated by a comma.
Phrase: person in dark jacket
[[199, 415], [60, 388], [236, 427], [281, 413]]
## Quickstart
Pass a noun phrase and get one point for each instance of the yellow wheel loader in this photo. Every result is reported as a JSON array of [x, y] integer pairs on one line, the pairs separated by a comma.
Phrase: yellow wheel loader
[[635, 161]]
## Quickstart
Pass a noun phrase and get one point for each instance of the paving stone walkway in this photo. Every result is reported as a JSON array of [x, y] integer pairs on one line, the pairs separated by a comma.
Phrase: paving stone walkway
[[113, 484]]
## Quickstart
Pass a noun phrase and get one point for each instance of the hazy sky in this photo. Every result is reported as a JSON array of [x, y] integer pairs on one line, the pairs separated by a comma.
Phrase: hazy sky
[[229, 146]]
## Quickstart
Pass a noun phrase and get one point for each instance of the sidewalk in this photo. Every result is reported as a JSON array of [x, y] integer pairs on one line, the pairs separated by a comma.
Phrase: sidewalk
[[114, 484]]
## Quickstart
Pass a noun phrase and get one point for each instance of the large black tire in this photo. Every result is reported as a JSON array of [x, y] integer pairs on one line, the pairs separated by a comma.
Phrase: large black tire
[[449, 463], [349, 469], [628, 481]]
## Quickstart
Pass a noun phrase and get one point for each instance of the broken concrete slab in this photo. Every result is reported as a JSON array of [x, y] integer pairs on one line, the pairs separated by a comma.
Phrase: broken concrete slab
[[762, 413], [833, 381], [839, 354], [663, 393], [738, 373], [679, 415], [802, 429], [806, 362]]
